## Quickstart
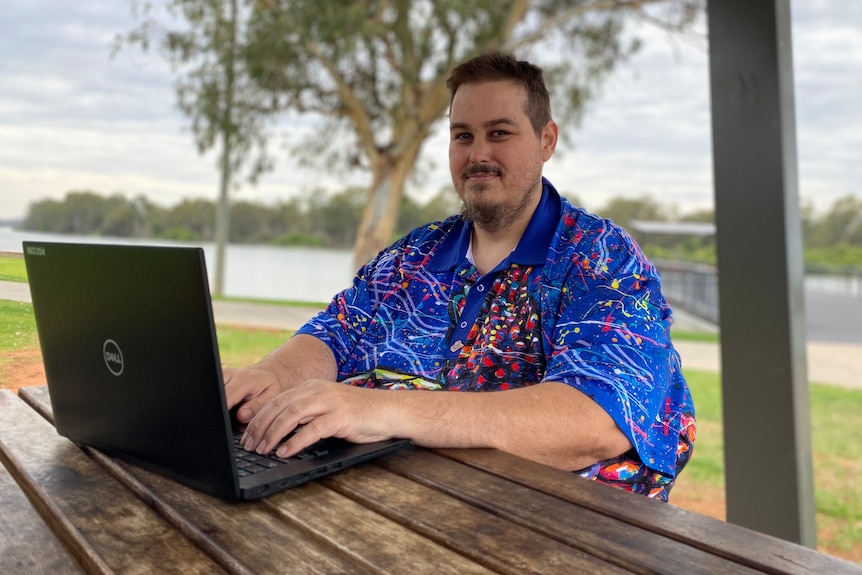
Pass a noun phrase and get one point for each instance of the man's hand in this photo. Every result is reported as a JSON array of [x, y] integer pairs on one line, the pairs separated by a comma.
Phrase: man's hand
[[252, 386], [322, 409], [299, 359]]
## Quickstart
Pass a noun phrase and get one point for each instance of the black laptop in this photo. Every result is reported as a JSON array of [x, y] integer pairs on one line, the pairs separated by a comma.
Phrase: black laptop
[[132, 363]]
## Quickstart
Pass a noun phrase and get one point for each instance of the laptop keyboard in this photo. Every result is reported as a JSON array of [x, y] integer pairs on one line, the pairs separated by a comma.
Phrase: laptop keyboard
[[249, 462]]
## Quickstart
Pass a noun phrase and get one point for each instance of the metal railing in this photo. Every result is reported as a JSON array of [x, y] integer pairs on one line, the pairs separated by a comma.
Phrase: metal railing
[[694, 287], [691, 287]]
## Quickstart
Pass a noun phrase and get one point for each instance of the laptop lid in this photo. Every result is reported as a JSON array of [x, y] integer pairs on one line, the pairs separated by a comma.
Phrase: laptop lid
[[131, 359]]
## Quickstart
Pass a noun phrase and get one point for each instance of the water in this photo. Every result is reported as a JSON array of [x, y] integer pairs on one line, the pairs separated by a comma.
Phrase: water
[[254, 271]]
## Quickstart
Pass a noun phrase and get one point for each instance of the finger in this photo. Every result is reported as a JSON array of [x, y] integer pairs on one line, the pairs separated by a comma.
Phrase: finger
[[272, 423], [310, 433], [253, 387]]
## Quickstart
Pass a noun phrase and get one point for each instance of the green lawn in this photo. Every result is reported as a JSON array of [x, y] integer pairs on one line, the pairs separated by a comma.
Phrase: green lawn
[[836, 427], [13, 270]]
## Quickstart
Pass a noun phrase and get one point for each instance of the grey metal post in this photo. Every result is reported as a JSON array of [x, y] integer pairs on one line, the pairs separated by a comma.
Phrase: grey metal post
[[764, 373]]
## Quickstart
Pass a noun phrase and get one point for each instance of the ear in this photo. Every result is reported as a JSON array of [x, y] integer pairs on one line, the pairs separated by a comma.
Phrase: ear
[[550, 134]]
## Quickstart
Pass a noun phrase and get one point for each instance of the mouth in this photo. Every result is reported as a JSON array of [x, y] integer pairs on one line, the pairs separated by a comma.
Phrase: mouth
[[481, 173]]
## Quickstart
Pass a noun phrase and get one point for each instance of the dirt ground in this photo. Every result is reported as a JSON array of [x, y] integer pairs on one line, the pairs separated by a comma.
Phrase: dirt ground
[[25, 368], [22, 368]]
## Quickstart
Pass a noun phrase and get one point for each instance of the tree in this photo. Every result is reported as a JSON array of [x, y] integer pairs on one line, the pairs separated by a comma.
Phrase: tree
[[375, 70], [206, 49], [841, 224], [623, 210], [412, 214]]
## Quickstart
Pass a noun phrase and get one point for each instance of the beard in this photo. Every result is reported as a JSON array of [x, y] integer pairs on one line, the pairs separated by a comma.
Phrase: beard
[[494, 216]]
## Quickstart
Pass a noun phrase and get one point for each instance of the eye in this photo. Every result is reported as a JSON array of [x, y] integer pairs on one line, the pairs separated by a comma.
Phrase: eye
[[461, 136]]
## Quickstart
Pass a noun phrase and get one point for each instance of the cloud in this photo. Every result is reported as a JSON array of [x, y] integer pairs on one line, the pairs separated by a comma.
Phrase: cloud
[[71, 117]]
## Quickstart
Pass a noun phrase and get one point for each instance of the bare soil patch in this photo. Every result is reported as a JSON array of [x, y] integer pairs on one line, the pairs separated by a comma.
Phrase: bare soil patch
[[22, 368]]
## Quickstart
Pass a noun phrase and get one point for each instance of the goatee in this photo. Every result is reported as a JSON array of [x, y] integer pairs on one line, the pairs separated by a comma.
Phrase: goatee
[[494, 217]]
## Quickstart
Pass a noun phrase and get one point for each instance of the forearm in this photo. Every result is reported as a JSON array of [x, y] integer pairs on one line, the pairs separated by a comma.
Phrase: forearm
[[548, 422], [299, 359]]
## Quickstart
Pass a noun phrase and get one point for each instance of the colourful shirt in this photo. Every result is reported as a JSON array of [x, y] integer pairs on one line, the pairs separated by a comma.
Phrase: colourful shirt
[[576, 302]]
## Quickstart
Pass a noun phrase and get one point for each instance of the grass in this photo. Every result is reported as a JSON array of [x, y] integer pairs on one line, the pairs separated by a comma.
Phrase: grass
[[241, 346], [17, 327], [280, 302], [12, 270], [695, 336], [835, 430]]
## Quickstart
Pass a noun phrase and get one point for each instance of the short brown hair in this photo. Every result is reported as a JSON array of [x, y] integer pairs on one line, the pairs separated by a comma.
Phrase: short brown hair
[[498, 66]]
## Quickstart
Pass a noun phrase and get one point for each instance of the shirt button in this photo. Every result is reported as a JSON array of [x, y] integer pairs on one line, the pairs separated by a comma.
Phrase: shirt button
[[481, 288], [463, 324]]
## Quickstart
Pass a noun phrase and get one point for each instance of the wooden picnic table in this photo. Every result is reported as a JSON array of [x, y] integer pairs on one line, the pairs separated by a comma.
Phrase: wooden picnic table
[[68, 509]]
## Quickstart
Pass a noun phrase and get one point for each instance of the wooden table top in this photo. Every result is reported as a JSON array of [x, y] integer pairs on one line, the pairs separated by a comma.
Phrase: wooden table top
[[67, 509]]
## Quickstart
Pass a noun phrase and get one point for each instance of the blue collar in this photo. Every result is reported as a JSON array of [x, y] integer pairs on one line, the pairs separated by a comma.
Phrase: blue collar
[[532, 249]]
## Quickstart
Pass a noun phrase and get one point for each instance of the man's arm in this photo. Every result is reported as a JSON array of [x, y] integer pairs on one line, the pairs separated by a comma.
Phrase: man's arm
[[549, 422], [299, 359]]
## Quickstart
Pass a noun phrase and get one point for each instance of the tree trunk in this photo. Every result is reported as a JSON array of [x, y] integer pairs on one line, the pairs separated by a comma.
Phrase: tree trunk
[[380, 216], [222, 223]]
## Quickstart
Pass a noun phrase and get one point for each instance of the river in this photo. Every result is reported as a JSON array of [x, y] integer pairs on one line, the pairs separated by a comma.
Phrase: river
[[253, 271]]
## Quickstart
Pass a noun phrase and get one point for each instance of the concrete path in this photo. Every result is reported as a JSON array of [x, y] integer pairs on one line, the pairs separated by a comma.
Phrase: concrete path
[[833, 363]]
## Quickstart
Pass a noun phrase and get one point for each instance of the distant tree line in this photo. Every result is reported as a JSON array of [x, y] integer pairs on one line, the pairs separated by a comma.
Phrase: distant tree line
[[325, 219], [317, 219]]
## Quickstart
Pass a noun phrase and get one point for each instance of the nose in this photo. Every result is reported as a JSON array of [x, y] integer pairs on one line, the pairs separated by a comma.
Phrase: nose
[[480, 152]]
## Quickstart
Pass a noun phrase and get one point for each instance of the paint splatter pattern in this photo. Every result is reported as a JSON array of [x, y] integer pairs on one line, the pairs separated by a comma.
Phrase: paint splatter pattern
[[592, 317]]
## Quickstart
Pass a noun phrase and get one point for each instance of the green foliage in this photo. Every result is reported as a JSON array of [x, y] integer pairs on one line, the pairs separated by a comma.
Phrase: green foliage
[[622, 210], [205, 41], [375, 72], [322, 218], [299, 239], [13, 270], [443, 204], [840, 258], [841, 224], [695, 250], [87, 212]]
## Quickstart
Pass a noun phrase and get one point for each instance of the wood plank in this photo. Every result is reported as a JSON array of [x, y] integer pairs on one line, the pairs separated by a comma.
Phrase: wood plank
[[246, 536], [113, 531], [628, 547], [38, 398], [476, 533], [382, 545], [27, 545], [744, 546], [248, 531]]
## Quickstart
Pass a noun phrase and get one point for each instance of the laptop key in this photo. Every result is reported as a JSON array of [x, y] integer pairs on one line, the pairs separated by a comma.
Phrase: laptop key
[[254, 468]]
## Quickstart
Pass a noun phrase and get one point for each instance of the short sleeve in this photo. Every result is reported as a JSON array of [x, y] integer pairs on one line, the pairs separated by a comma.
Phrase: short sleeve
[[612, 342]]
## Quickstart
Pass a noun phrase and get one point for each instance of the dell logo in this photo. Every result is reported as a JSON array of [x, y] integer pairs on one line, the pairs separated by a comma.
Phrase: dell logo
[[113, 357]]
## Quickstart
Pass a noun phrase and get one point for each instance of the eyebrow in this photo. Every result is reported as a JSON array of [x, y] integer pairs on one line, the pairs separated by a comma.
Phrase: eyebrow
[[488, 124]]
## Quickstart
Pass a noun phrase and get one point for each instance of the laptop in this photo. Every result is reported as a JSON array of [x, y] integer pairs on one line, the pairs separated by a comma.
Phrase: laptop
[[133, 369]]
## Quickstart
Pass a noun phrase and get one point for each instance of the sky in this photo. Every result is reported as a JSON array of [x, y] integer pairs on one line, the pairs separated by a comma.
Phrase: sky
[[74, 118]]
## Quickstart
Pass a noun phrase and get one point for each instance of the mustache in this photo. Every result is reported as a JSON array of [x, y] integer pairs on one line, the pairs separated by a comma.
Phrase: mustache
[[481, 169]]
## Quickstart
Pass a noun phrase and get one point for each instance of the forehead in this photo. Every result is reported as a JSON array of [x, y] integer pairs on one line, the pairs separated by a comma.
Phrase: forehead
[[477, 103]]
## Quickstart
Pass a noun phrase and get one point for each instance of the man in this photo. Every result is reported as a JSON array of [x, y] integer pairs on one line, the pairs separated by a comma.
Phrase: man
[[554, 314]]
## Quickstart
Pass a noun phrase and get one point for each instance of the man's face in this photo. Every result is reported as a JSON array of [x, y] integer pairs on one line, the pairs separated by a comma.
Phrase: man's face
[[495, 157]]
